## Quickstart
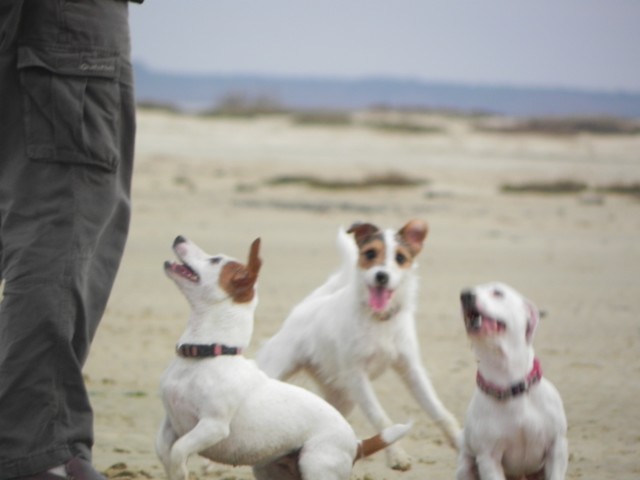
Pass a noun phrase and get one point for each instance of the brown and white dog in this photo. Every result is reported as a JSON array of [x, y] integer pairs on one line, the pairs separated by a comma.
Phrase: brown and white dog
[[516, 426], [222, 406], [357, 324]]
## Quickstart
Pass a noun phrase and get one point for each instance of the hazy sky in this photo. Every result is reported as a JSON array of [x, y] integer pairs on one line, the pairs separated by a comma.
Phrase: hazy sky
[[592, 44]]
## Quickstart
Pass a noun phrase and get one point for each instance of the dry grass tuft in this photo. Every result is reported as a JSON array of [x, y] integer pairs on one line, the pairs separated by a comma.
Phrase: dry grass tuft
[[552, 187], [326, 118], [630, 189], [566, 126], [386, 180], [404, 126]]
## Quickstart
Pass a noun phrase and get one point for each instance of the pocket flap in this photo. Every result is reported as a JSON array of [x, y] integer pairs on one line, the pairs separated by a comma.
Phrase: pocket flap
[[69, 63]]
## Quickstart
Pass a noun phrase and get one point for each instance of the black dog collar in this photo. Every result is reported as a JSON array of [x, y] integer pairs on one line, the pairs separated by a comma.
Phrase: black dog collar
[[192, 350]]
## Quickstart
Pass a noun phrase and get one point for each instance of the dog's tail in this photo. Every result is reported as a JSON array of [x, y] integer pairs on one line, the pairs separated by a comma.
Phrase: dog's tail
[[349, 256], [347, 248], [382, 440]]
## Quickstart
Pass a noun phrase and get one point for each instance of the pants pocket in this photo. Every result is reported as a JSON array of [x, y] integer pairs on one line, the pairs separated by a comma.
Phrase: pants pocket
[[71, 106]]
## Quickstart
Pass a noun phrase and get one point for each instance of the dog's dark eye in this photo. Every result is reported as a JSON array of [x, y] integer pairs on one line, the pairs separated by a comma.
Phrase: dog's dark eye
[[215, 260], [497, 293], [370, 254], [401, 258]]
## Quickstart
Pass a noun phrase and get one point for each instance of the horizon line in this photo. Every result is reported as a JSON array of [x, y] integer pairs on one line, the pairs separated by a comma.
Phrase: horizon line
[[385, 77]]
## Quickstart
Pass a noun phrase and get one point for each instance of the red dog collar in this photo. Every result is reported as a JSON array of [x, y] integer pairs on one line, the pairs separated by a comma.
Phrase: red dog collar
[[514, 390], [192, 350]]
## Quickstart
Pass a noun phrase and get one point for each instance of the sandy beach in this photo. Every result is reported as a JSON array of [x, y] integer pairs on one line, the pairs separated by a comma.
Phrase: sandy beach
[[576, 255]]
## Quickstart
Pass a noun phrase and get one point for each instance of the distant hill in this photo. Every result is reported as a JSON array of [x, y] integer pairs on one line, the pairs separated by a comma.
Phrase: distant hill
[[199, 92]]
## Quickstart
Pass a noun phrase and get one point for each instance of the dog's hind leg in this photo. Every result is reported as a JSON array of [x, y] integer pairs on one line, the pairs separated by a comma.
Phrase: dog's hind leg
[[325, 462], [274, 472], [285, 468]]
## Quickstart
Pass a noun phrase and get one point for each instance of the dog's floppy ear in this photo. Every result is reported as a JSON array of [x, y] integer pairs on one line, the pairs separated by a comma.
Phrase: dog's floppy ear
[[362, 232], [533, 317], [245, 277], [413, 234], [255, 262]]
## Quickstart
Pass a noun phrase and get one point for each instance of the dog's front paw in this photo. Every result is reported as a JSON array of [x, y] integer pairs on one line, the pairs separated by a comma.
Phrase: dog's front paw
[[398, 459]]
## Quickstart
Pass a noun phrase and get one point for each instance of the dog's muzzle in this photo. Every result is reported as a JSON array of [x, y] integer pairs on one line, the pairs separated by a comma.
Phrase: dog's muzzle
[[475, 319], [468, 299], [472, 316]]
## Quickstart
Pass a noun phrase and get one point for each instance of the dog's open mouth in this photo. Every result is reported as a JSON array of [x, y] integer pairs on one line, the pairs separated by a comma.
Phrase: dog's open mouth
[[183, 270], [379, 298], [478, 322]]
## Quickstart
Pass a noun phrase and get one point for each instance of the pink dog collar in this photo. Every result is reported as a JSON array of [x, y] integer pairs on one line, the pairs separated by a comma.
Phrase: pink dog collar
[[192, 350], [514, 390]]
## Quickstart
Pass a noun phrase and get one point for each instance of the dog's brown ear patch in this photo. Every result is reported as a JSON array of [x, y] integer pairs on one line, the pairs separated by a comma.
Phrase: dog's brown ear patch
[[255, 262], [239, 280], [363, 232], [413, 235]]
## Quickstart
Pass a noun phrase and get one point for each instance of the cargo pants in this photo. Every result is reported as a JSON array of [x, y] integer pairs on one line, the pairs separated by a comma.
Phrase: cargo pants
[[67, 127]]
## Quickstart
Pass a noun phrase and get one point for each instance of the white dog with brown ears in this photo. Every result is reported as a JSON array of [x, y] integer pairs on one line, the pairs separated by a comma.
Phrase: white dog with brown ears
[[357, 324], [516, 426], [220, 405]]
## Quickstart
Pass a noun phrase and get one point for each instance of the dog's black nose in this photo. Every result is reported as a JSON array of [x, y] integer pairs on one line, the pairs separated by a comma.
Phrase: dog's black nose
[[468, 299], [382, 278], [179, 239]]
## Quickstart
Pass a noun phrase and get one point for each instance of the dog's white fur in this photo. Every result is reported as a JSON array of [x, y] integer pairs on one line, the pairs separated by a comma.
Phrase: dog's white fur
[[343, 342], [229, 411], [523, 435]]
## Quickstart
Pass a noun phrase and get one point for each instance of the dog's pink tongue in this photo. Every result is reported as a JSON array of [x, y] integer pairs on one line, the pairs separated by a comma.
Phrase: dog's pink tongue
[[379, 298]]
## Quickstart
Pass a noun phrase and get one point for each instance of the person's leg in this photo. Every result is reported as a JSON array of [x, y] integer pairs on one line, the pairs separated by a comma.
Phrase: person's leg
[[66, 154]]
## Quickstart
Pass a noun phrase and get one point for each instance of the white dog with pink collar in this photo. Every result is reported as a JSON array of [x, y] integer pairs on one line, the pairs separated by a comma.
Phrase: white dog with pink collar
[[515, 426]]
